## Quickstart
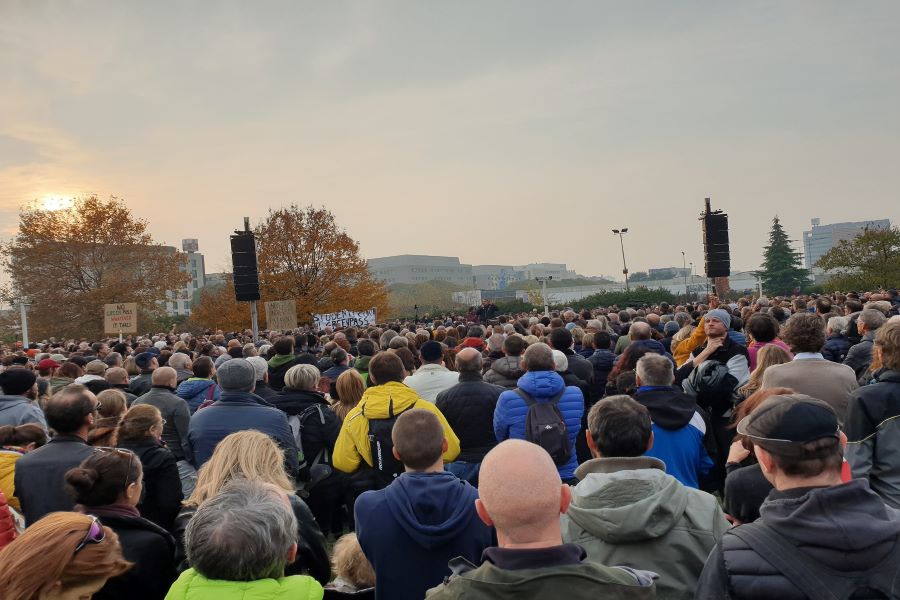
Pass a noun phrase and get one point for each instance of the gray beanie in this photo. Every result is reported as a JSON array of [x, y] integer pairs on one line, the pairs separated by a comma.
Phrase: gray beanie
[[236, 375], [721, 315]]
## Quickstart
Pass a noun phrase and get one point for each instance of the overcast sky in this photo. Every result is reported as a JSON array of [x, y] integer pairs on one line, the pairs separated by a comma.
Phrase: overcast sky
[[500, 132]]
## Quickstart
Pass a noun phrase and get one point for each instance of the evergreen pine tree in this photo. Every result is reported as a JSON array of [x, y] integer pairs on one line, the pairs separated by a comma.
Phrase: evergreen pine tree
[[781, 272]]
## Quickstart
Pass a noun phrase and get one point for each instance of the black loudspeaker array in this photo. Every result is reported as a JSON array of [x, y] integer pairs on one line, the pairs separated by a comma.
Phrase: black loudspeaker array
[[246, 275], [715, 244]]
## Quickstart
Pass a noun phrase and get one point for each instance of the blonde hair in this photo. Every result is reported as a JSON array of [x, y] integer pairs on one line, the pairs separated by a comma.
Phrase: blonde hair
[[766, 357], [350, 387], [45, 554], [136, 423], [131, 367], [351, 564], [248, 454], [112, 403]]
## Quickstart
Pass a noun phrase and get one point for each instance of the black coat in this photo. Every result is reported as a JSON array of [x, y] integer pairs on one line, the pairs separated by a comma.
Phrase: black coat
[[276, 375], [312, 553], [836, 347], [265, 391], [603, 362], [150, 548], [40, 476], [162, 495], [469, 407], [316, 435], [583, 370]]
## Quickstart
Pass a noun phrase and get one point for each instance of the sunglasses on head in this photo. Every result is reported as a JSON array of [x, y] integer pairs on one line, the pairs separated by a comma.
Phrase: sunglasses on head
[[95, 534], [120, 452]]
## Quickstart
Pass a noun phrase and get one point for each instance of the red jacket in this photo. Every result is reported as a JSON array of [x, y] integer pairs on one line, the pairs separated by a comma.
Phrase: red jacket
[[7, 525]]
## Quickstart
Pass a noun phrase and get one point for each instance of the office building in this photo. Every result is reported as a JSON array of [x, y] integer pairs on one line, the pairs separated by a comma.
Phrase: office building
[[822, 238]]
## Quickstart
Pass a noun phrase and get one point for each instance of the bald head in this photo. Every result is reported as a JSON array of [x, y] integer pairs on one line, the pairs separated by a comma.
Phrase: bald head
[[116, 376], [639, 331], [469, 361], [164, 376], [521, 494]]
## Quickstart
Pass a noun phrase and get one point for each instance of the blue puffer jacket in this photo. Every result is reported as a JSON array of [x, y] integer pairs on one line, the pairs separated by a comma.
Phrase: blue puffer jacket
[[196, 391], [511, 411]]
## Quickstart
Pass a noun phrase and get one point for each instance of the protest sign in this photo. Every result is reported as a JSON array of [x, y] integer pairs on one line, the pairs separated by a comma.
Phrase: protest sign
[[281, 315], [345, 318], [120, 318]]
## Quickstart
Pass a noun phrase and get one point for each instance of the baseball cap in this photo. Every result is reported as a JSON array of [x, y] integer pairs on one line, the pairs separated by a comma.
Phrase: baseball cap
[[48, 363], [783, 425], [143, 359]]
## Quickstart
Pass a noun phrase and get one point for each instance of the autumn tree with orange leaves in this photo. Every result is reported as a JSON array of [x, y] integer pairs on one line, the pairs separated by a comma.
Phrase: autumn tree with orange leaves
[[302, 255], [70, 262]]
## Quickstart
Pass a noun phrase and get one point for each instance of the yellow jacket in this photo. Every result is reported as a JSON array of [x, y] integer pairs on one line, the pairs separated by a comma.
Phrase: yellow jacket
[[683, 350], [8, 460], [380, 402]]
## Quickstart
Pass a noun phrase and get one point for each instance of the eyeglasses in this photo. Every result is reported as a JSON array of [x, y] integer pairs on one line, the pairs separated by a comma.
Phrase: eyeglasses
[[121, 452], [95, 534]]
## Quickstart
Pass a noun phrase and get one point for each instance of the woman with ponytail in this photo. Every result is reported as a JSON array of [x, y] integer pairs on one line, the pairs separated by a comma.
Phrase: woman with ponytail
[[108, 485]]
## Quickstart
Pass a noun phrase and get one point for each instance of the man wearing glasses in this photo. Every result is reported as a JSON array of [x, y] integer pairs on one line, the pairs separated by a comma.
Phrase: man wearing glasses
[[39, 479]]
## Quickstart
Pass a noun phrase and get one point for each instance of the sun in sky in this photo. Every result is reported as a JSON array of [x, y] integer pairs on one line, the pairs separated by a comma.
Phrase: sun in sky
[[56, 202]]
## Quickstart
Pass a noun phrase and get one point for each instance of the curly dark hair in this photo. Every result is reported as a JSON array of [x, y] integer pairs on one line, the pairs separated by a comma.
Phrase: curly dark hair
[[804, 332]]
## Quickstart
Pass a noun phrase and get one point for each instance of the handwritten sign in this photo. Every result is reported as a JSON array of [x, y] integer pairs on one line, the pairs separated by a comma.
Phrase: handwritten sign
[[120, 318], [345, 318], [281, 315]]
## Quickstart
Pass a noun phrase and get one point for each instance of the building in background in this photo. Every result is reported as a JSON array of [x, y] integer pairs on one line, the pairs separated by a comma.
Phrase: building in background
[[822, 238], [178, 302], [418, 268]]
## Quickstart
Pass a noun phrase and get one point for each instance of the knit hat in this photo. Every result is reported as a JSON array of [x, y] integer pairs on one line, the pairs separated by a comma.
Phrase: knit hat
[[236, 375], [721, 315], [783, 424], [260, 364], [15, 381]]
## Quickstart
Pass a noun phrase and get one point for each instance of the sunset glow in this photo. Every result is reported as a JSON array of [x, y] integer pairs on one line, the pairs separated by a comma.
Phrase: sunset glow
[[56, 203]]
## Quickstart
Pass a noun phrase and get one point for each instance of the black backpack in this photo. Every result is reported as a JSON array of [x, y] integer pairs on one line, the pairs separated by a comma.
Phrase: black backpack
[[297, 424], [386, 467], [546, 427], [819, 581]]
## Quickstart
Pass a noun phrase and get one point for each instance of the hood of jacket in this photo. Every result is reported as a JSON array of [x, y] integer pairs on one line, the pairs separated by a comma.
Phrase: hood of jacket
[[194, 386], [293, 402], [541, 384], [384, 401], [627, 506], [362, 363], [847, 527], [669, 407], [432, 508], [652, 345], [279, 360], [191, 585], [12, 402], [509, 366]]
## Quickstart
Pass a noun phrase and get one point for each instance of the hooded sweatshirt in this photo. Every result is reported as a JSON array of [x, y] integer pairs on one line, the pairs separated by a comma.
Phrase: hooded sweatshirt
[[628, 511], [411, 529], [197, 390], [505, 371], [194, 586], [679, 432]]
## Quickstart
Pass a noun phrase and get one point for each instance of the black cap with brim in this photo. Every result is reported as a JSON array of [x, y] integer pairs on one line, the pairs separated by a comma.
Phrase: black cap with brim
[[784, 425]]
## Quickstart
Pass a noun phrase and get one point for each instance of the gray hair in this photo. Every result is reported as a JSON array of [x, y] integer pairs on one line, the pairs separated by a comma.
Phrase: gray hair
[[655, 369], [837, 324], [539, 357], [872, 318], [385, 339], [302, 377], [398, 341], [683, 318], [561, 363], [180, 360], [244, 533], [260, 365], [495, 342], [249, 350]]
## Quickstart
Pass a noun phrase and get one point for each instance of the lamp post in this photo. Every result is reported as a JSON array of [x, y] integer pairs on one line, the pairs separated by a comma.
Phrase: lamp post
[[23, 314], [620, 233], [684, 274], [543, 282]]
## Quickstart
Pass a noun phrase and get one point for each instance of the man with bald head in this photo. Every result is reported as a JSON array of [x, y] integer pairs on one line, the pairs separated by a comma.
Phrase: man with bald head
[[117, 378], [469, 408], [177, 418], [522, 497]]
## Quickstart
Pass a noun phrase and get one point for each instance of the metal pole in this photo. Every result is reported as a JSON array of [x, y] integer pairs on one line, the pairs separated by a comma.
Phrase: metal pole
[[544, 295], [684, 274], [24, 315], [624, 266], [254, 321]]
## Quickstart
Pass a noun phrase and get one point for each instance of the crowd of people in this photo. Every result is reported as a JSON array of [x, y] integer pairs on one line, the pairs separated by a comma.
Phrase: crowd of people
[[703, 450]]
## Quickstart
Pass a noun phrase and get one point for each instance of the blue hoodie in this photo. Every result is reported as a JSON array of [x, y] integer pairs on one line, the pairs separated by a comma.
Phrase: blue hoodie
[[411, 529], [511, 411], [196, 391]]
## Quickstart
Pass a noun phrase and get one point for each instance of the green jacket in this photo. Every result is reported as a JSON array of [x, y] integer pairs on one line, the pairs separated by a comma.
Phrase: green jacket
[[361, 364], [190, 585], [584, 581], [629, 512]]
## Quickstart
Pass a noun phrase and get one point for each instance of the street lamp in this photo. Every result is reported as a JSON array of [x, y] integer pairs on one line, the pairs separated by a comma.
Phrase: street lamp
[[684, 274], [620, 233], [543, 282]]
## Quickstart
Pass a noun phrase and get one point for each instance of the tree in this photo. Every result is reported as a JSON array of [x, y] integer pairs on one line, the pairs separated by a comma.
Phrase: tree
[[870, 260], [781, 272], [304, 255], [216, 308], [71, 262]]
